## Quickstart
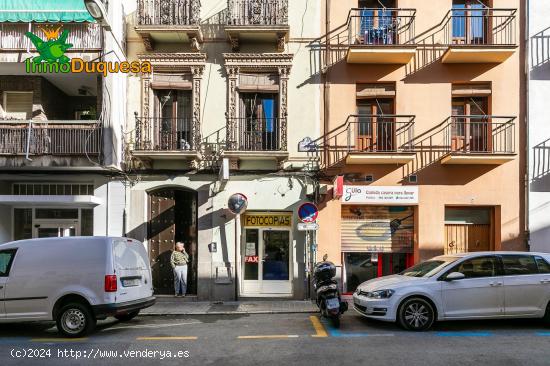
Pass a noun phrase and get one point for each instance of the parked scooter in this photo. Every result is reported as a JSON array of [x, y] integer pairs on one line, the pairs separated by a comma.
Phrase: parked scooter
[[326, 289]]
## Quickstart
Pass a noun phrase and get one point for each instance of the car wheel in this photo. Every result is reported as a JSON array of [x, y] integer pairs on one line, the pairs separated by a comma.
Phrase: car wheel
[[75, 320], [127, 317], [416, 314]]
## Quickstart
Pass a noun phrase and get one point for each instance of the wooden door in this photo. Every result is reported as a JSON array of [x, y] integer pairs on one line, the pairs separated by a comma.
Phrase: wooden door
[[463, 238], [162, 239]]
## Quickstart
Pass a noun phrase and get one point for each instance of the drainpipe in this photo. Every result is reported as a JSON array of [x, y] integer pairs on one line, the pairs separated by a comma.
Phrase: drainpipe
[[326, 83], [526, 123], [29, 131]]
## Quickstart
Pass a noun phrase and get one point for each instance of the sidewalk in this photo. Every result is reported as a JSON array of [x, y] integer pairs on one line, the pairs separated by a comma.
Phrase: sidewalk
[[177, 306]]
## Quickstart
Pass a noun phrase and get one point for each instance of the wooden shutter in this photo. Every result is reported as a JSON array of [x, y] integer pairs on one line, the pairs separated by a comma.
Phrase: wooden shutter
[[18, 104]]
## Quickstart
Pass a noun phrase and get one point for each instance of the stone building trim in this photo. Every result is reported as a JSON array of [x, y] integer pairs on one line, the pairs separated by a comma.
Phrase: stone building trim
[[192, 63], [236, 63]]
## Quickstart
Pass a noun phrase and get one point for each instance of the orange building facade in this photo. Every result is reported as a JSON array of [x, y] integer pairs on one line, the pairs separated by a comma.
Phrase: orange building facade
[[422, 150]]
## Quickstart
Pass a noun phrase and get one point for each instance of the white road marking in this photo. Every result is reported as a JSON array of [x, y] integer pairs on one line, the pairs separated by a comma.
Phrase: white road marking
[[151, 326]]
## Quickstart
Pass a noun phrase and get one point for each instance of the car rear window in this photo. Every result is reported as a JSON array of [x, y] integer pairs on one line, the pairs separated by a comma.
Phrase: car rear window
[[519, 265]]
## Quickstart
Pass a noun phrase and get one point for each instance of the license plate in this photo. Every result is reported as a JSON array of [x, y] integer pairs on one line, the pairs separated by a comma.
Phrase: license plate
[[333, 303], [130, 283]]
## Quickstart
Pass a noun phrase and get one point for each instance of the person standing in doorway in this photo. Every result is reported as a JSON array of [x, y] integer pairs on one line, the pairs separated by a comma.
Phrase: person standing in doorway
[[179, 260]]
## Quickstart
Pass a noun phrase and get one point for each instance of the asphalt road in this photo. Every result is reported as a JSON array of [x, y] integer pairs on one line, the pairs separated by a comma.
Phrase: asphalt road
[[278, 339]]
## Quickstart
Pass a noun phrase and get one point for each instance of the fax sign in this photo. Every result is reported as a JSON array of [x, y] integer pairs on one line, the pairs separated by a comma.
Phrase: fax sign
[[308, 212]]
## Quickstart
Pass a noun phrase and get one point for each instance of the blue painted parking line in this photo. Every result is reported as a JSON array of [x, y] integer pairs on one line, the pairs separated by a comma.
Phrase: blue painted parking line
[[464, 334], [543, 334], [12, 340], [334, 332]]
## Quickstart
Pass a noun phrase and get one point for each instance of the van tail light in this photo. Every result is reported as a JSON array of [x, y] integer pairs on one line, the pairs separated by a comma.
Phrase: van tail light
[[110, 283]]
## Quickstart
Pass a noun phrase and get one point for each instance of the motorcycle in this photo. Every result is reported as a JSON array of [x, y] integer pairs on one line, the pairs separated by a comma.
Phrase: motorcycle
[[328, 297]]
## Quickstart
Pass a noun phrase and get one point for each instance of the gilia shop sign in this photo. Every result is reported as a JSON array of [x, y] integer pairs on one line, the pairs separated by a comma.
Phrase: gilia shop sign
[[268, 219], [385, 195]]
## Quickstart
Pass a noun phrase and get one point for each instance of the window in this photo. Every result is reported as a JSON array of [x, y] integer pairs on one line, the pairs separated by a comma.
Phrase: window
[[376, 125], [174, 125], [478, 267], [18, 105], [22, 223], [470, 125], [543, 265], [519, 265], [469, 22], [6, 259], [87, 222], [56, 213], [53, 189], [426, 269], [259, 126]]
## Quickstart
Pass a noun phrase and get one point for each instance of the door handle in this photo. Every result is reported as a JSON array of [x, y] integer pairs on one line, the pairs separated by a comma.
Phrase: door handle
[[541, 281], [1, 287], [496, 283]]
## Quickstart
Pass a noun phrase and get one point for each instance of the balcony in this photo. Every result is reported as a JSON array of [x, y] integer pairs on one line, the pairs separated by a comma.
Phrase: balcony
[[486, 140], [174, 21], [378, 36], [60, 138], [256, 138], [479, 35], [369, 139], [165, 138], [85, 38], [257, 21]]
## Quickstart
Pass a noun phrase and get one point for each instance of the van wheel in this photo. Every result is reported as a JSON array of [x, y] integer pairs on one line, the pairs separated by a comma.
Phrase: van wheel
[[127, 317], [416, 314], [75, 320]]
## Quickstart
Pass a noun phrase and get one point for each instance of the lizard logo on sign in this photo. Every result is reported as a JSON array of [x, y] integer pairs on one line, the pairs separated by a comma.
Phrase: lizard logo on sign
[[53, 49]]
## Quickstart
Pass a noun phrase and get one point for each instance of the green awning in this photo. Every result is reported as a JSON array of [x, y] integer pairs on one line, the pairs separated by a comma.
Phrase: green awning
[[53, 11]]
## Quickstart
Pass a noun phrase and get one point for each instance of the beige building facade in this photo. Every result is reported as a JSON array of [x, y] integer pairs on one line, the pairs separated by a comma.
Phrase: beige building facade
[[232, 92], [424, 129]]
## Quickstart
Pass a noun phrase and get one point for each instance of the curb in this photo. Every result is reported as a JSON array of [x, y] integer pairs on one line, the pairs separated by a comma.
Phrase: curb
[[233, 312]]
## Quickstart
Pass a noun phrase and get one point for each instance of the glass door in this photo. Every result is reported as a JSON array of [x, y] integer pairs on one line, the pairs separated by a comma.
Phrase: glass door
[[266, 262], [376, 130], [174, 127]]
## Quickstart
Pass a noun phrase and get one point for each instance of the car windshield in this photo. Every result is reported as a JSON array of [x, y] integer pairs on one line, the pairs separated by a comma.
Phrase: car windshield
[[428, 268]]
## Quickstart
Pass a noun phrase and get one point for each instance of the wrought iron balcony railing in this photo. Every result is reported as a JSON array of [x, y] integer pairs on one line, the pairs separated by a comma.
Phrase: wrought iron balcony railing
[[367, 134], [480, 135], [257, 12], [380, 27], [165, 134], [480, 26], [256, 134], [168, 12], [50, 137], [84, 37]]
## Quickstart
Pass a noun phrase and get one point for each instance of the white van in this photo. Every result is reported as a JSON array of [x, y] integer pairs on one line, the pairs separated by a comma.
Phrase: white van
[[74, 281]]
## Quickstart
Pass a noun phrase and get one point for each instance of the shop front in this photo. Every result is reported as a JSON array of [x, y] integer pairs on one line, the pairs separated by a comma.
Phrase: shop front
[[266, 254], [376, 239]]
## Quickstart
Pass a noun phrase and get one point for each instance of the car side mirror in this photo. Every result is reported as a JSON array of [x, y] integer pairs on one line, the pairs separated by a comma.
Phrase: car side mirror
[[453, 276]]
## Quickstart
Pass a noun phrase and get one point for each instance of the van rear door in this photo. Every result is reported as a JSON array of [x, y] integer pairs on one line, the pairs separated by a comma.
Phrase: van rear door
[[132, 269]]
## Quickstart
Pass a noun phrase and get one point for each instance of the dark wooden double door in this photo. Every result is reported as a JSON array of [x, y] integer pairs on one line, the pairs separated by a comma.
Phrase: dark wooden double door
[[172, 218]]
